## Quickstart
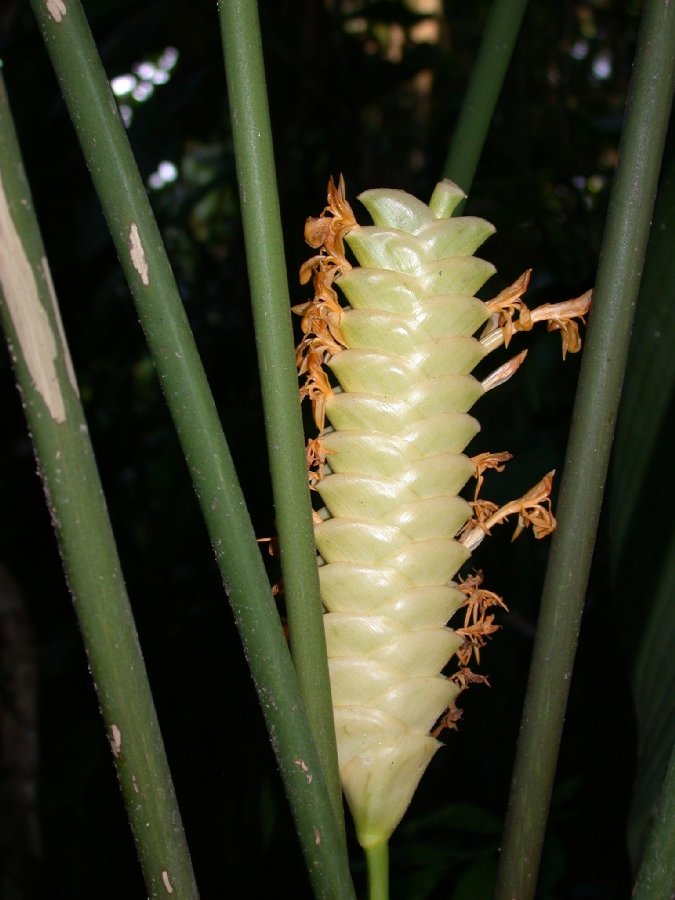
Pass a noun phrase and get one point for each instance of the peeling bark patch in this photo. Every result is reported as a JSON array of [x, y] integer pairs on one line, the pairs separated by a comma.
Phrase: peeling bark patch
[[59, 325], [138, 254], [56, 9], [115, 740], [167, 883], [301, 764], [33, 331]]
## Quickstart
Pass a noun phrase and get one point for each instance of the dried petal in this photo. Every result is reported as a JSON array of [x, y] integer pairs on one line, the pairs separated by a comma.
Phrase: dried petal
[[485, 461], [504, 307], [503, 373]]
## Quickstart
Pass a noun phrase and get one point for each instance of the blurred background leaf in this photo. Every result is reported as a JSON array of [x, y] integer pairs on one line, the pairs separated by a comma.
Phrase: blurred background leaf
[[641, 528]]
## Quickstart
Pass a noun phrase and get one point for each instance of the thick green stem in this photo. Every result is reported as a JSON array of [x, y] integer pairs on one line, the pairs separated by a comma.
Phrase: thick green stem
[[139, 246], [278, 376], [377, 862], [618, 280], [77, 506], [480, 100]]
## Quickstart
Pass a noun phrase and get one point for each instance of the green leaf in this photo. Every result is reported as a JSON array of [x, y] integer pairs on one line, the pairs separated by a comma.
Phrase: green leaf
[[650, 373], [478, 881], [641, 529], [654, 687], [465, 817]]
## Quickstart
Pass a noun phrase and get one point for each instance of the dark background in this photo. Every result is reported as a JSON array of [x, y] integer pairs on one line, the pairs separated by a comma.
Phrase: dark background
[[354, 88]]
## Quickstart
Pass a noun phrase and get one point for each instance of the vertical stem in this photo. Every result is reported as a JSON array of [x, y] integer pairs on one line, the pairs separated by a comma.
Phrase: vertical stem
[[622, 257], [480, 100], [141, 252], [377, 863], [278, 377], [75, 498]]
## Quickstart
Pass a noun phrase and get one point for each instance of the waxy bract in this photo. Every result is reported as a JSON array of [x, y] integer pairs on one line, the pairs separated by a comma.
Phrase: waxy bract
[[395, 451]]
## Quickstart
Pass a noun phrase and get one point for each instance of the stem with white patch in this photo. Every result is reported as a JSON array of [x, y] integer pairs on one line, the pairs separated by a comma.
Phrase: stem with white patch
[[77, 506], [160, 310]]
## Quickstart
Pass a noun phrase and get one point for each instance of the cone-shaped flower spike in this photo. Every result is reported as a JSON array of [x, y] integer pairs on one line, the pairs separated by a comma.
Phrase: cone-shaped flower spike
[[389, 468]]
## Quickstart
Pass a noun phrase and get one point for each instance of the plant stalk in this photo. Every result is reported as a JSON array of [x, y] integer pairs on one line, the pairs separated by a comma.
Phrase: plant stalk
[[77, 506], [93, 111], [487, 77], [618, 280], [253, 146], [377, 863]]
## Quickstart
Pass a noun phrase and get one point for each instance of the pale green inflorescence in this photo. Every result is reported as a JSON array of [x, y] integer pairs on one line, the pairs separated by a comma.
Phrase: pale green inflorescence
[[400, 425]]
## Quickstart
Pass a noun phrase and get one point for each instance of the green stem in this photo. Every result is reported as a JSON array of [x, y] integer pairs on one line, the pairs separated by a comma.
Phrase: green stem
[[656, 878], [377, 863], [77, 506], [139, 246], [278, 376], [622, 257], [480, 100]]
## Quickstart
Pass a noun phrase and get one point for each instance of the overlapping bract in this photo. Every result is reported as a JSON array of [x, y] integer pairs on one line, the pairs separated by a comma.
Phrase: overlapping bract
[[399, 426], [394, 531]]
